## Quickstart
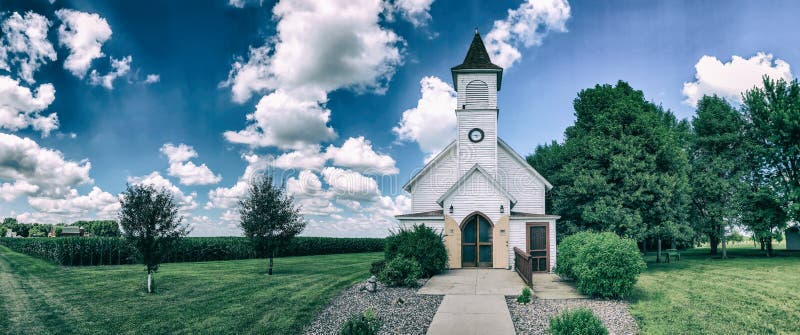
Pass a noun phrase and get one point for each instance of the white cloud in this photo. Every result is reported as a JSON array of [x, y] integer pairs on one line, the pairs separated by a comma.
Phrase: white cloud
[[10, 191], [185, 201], [152, 79], [309, 158], [119, 68], [348, 184], [414, 11], [242, 3], [105, 204], [305, 185], [20, 108], [25, 38], [526, 25], [187, 172], [83, 34], [729, 80], [26, 164], [432, 123], [228, 197], [285, 121], [357, 153]]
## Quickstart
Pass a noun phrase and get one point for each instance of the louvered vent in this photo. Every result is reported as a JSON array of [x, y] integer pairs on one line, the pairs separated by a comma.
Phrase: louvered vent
[[477, 93]]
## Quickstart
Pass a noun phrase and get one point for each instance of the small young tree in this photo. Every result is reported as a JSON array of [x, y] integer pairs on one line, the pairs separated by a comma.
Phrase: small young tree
[[150, 222], [269, 217]]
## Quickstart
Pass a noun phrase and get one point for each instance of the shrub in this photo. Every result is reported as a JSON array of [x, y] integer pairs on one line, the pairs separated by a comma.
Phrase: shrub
[[602, 264], [419, 243], [361, 324], [580, 321], [111, 250], [401, 271], [377, 267], [525, 297]]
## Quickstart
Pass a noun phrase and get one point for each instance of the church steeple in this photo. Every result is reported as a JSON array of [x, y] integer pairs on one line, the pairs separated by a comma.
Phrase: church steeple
[[477, 60]]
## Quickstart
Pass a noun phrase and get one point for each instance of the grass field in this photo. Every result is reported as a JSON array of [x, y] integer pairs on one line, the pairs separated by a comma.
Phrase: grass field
[[745, 294], [208, 297]]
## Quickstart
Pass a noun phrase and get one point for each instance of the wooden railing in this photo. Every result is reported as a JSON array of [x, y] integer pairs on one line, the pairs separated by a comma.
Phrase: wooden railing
[[523, 265]]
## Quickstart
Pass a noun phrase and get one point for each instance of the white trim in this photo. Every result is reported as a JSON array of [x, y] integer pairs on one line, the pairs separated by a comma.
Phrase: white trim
[[431, 163], [476, 168], [523, 162], [417, 218]]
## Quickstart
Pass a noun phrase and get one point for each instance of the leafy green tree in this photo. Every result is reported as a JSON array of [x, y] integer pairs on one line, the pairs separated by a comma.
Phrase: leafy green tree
[[39, 230], [151, 222], [773, 113], [622, 167], [716, 155], [269, 217], [764, 214], [107, 228]]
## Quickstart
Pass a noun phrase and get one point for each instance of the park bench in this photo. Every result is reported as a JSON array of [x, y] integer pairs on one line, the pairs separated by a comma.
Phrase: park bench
[[672, 253]]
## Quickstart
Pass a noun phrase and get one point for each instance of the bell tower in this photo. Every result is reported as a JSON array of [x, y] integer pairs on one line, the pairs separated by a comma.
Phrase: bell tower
[[477, 81]]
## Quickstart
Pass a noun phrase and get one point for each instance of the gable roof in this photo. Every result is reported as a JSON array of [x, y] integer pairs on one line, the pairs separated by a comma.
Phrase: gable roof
[[476, 169], [427, 167], [523, 162]]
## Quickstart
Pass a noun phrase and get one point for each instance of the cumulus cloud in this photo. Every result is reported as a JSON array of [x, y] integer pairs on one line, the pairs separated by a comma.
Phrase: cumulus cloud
[[432, 123], [24, 44], [357, 153], [20, 108], [414, 11], [729, 80], [83, 34], [228, 197], [348, 184], [306, 184], [152, 79], [309, 158], [527, 25], [185, 201], [187, 172], [242, 3], [103, 203], [119, 68], [38, 171], [285, 121]]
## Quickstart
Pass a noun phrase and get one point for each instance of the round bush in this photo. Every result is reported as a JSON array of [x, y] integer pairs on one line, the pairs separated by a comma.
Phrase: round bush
[[401, 271], [361, 324], [580, 321], [421, 244], [603, 264]]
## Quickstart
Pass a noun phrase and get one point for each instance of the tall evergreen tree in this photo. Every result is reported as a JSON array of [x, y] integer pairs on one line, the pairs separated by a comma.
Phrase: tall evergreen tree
[[716, 157], [623, 166], [269, 217]]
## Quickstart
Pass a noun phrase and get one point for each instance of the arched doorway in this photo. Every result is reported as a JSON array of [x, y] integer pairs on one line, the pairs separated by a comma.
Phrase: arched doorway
[[476, 242]]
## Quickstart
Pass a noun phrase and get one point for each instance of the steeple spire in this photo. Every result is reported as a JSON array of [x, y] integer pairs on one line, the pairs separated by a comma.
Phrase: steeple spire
[[478, 59]]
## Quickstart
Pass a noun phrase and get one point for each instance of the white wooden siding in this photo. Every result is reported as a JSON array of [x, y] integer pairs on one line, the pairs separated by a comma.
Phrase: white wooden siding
[[430, 186], [484, 152], [462, 79], [518, 180], [476, 194]]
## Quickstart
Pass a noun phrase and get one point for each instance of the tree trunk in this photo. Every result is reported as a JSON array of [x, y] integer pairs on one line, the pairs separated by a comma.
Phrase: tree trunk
[[762, 244], [658, 255], [271, 255], [644, 246], [769, 246], [673, 245], [713, 242], [724, 247], [149, 282]]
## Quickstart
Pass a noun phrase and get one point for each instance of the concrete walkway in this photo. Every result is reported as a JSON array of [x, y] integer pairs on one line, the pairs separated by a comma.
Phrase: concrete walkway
[[550, 286], [474, 301]]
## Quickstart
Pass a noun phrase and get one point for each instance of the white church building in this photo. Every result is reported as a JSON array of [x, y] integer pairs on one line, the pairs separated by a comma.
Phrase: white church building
[[480, 193]]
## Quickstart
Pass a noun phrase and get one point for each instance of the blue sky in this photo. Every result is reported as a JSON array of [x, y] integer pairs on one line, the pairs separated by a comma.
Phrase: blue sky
[[346, 103]]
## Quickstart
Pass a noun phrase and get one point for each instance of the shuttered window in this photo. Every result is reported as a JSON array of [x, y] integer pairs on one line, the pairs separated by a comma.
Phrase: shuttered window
[[477, 92]]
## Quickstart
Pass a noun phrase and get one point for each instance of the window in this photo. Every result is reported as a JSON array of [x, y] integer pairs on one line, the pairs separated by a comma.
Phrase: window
[[477, 92]]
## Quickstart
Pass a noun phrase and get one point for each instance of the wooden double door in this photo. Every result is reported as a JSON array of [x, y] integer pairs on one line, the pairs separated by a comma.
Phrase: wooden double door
[[476, 242]]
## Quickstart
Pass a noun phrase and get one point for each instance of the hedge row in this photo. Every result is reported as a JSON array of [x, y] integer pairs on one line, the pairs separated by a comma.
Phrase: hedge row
[[77, 251]]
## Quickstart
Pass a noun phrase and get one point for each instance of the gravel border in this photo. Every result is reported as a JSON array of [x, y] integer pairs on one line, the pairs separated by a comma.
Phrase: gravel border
[[411, 316], [534, 318]]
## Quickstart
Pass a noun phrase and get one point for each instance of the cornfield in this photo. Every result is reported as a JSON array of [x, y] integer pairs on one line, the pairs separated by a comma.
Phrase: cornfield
[[85, 251]]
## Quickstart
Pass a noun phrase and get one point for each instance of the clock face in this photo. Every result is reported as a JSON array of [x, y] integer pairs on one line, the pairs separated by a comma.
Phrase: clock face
[[475, 135]]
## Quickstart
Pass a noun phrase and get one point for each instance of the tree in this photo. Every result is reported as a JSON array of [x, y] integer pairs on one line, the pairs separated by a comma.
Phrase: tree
[[108, 228], [622, 167], [765, 216], [773, 114], [151, 222], [716, 155], [39, 230], [268, 217]]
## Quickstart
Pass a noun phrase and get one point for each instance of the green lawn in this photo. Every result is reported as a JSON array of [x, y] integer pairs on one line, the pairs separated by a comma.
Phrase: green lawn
[[209, 297], [746, 294]]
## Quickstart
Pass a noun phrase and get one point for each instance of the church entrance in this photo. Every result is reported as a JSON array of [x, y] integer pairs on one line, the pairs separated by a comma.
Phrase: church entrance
[[476, 242]]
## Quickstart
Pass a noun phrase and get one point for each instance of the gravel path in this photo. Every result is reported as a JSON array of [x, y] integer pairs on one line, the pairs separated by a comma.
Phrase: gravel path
[[534, 318], [412, 316]]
